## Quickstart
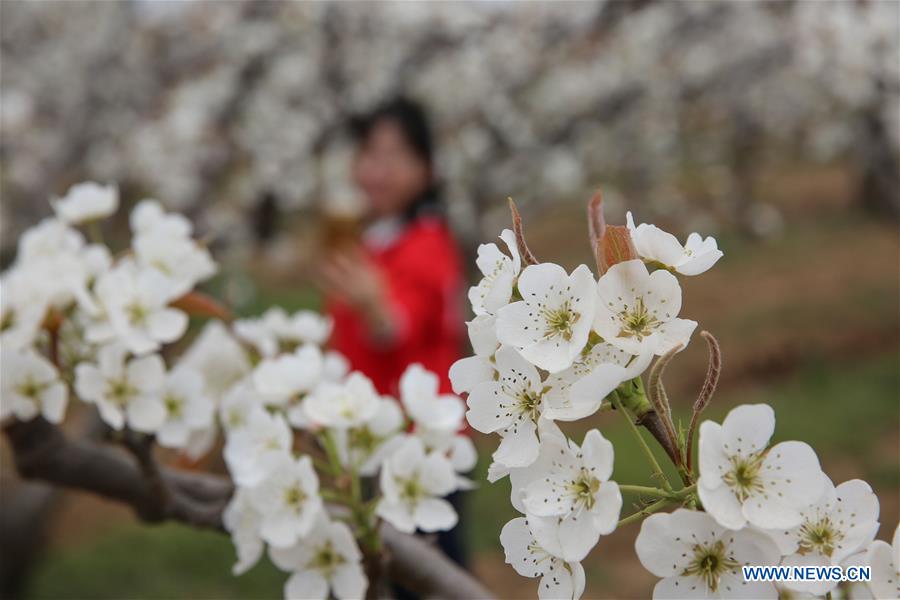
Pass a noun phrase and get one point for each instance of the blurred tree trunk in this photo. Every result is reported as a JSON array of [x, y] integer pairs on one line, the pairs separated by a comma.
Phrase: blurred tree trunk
[[878, 159]]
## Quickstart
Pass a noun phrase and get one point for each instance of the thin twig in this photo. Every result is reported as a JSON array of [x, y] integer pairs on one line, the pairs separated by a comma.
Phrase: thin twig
[[527, 257], [657, 394], [657, 470], [709, 387]]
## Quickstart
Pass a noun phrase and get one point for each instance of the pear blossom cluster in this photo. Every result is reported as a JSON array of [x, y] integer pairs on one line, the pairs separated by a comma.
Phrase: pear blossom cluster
[[552, 346], [83, 322]]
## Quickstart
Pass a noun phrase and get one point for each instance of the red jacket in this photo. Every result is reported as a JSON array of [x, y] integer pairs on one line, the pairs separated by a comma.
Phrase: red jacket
[[422, 269]]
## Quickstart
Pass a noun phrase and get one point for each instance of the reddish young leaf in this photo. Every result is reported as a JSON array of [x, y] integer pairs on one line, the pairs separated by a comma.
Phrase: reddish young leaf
[[200, 305]]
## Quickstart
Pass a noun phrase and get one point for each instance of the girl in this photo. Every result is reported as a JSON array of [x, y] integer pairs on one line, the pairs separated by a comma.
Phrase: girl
[[395, 297]]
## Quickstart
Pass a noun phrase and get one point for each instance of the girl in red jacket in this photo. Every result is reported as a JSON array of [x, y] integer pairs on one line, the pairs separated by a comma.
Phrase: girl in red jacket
[[396, 298]]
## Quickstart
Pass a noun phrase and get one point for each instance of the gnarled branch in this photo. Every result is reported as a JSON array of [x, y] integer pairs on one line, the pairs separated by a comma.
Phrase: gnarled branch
[[43, 452]]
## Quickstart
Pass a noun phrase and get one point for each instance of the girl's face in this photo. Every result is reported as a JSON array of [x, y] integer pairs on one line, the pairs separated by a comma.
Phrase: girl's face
[[388, 170]]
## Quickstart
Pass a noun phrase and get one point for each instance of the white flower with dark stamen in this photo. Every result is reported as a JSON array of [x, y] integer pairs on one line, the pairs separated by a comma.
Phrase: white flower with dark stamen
[[499, 271], [257, 447], [698, 558], [468, 372], [325, 560], [126, 393], [412, 483], [551, 324], [842, 522], [579, 391], [570, 486], [559, 579], [135, 303], [288, 500], [743, 480], [637, 311], [343, 405], [31, 386], [511, 406], [188, 408], [242, 521], [884, 559], [697, 255], [86, 202]]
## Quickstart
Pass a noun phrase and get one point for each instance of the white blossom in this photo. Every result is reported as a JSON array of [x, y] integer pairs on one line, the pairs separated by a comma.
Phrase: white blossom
[[551, 324], [884, 559], [31, 386], [499, 275], [698, 558], [468, 372], [425, 405], [365, 446], [254, 450], [843, 522], [288, 376], [342, 405], [288, 500], [412, 483], [308, 327], [743, 480], [559, 579], [637, 311], [579, 391], [125, 392], [240, 405], [570, 487], [325, 560], [697, 255], [218, 357], [136, 311], [242, 521], [87, 202], [188, 408], [511, 406]]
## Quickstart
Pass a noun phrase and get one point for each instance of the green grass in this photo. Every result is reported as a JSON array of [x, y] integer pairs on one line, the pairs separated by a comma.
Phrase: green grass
[[846, 411], [161, 562]]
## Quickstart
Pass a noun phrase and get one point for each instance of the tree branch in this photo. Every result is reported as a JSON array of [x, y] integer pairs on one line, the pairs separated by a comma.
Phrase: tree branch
[[43, 452]]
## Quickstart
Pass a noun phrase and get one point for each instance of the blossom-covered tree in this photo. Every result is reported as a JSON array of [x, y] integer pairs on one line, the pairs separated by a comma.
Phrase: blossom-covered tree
[[85, 324]]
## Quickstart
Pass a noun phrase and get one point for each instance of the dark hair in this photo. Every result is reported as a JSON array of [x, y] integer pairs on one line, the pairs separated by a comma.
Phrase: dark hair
[[412, 120]]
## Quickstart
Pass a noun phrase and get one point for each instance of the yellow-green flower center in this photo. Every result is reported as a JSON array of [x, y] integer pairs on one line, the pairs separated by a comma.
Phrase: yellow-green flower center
[[638, 322], [120, 391], [710, 562], [174, 406], [744, 478], [326, 559], [294, 497], [820, 536], [560, 321]]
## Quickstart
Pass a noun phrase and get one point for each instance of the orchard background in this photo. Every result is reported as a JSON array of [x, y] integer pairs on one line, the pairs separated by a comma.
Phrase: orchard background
[[772, 125]]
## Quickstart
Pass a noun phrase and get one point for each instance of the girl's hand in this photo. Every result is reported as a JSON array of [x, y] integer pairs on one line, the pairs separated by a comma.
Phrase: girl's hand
[[349, 276]]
